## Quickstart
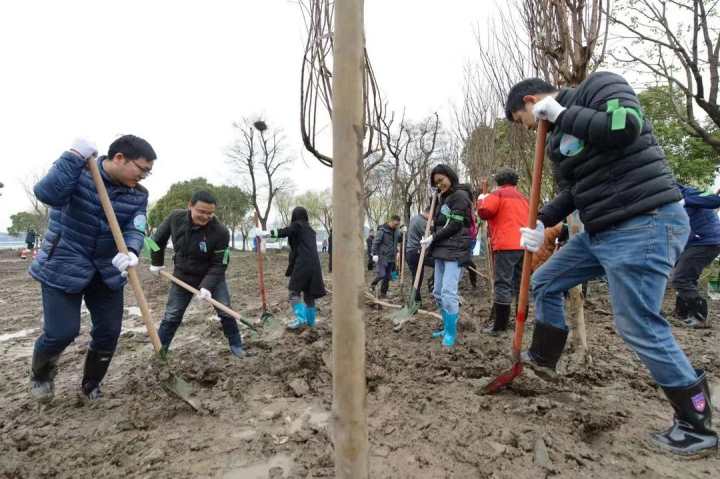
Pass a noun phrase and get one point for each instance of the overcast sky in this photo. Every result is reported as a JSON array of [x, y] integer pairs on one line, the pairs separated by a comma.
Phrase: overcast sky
[[179, 73]]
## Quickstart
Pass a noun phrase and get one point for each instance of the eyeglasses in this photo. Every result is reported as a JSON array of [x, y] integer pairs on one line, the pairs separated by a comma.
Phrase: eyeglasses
[[144, 172]]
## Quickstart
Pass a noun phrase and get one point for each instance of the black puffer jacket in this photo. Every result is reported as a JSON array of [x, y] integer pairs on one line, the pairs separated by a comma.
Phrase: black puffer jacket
[[385, 244], [304, 263], [451, 235], [605, 157], [201, 252]]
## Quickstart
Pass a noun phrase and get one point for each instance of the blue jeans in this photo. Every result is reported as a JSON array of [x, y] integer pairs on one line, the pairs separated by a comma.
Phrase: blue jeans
[[447, 278], [637, 256], [178, 301], [61, 317]]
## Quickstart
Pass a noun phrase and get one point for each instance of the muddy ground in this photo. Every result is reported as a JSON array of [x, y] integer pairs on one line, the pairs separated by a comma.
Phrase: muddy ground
[[270, 415]]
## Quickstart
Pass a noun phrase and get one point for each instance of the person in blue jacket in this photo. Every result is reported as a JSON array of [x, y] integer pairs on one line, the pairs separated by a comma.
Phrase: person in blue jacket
[[78, 258], [702, 248]]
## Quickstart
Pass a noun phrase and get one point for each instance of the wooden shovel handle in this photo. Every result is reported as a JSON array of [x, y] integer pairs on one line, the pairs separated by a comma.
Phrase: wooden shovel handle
[[532, 219], [133, 277], [212, 301], [423, 250]]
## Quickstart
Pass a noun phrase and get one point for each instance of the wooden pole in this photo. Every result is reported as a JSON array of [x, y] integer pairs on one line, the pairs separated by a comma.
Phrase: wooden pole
[[350, 433], [133, 277]]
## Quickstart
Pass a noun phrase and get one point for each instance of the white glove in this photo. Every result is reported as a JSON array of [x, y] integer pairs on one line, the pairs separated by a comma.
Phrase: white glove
[[204, 294], [531, 239], [124, 261], [375, 258], [156, 270], [426, 241], [548, 109], [483, 196], [85, 149]]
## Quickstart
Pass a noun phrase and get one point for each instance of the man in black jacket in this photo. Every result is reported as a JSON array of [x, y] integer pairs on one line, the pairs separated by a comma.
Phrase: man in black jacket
[[384, 250], [610, 168], [201, 256]]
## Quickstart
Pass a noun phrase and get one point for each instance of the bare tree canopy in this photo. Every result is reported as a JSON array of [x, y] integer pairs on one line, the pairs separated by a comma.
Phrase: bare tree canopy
[[257, 156], [676, 41], [316, 107]]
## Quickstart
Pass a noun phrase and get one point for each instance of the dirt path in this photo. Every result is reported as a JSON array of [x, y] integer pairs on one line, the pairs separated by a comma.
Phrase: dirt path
[[269, 415]]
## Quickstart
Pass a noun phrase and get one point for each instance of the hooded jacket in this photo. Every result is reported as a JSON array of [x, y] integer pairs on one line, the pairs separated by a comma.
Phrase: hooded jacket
[[704, 221], [385, 244], [200, 252], [605, 157], [451, 220], [304, 267], [506, 210], [78, 243]]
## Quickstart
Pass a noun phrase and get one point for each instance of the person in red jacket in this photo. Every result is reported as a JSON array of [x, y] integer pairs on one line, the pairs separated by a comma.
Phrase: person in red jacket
[[506, 211]]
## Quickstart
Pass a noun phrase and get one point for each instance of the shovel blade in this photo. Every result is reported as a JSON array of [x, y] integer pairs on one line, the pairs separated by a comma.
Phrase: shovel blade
[[181, 389], [503, 379]]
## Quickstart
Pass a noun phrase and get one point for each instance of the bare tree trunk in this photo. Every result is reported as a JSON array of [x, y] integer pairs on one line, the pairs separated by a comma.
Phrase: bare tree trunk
[[349, 392], [575, 306]]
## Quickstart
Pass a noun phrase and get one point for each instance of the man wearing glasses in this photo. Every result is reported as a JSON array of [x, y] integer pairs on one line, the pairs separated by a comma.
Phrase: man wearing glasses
[[78, 259], [201, 254]]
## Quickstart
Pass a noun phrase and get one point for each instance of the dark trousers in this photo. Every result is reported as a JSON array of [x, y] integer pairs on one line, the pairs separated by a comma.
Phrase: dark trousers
[[508, 269], [383, 273], [61, 317], [178, 301], [689, 267], [412, 258]]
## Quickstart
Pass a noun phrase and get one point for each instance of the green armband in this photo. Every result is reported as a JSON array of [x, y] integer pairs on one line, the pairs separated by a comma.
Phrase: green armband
[[620, 113]]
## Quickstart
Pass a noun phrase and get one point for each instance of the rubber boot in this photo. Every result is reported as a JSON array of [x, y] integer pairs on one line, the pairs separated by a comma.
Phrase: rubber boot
[[441, 332], [310, 314], [96, 365], [299, 321], [681, 308], [166, 333], [691, 433], [697, 313], [502, 317], [546, 348], [43, 371], [450, 330]]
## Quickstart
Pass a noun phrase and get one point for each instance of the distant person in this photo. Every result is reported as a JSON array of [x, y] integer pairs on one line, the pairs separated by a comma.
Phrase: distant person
[[78, 259], [201, 255], [506, 210], [702, 248], [324, 246], [415, 231], [30, 238], [368, 249], [384, 251], [306, 281]]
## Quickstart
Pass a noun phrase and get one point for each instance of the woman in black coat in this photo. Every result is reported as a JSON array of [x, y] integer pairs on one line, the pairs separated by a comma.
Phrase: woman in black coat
[[449, 245], [303, 269]]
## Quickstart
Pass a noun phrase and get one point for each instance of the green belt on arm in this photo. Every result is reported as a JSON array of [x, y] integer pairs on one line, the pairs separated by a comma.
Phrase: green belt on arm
[[619, 114], [149, 245]]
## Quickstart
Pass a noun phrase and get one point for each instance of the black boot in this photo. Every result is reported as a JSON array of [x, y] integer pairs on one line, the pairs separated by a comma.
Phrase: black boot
[[43, 371], [546, 348], [697, 313], [502, 317], [96, 365], [691, 432], [681, 308]]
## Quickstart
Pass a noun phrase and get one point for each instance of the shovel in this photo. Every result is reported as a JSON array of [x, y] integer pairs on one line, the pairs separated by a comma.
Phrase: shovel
[[212, 301], [172, 384], [412, 306], [266, 317], [506, 377]]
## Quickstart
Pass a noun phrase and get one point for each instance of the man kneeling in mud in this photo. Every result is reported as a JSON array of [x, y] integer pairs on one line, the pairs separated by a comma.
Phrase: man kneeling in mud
[[201, 257], [610, 168]]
